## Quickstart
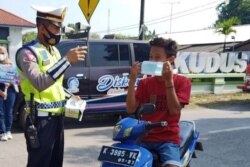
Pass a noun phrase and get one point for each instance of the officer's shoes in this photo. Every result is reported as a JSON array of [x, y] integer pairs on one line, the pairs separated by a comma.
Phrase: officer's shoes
[[9, 135], [3, 137]]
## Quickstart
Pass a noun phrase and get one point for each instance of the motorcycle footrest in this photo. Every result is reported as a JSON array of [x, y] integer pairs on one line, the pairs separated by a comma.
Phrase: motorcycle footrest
[[194, 155], [199, 146]]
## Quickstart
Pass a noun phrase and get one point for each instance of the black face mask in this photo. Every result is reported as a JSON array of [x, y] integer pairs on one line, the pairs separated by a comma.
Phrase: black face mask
[[52, 39]]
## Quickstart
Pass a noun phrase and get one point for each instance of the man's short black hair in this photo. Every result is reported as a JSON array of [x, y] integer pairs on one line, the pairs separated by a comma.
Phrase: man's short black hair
[[170, 46]]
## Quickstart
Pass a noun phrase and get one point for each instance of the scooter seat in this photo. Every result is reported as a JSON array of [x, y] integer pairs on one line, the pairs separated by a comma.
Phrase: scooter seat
[[186, 135]]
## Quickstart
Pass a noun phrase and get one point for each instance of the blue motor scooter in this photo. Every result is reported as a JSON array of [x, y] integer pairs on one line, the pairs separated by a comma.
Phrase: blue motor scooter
[[128, 152]]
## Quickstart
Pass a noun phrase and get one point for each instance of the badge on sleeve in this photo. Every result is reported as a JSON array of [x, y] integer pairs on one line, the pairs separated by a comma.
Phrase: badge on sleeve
[[29, 56]]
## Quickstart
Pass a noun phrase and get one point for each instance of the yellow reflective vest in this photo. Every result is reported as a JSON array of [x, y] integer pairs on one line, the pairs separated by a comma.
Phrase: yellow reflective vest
[[51, 99]]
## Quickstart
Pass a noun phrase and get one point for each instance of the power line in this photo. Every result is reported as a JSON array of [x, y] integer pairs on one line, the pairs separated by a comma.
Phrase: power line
[[157, 22], [185, 11], [177, 17], [154, 20], [165, 18], [194, 8]]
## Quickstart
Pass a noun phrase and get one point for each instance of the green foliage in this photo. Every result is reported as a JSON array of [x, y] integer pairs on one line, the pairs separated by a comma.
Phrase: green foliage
[[94, 36], [72, 25], [121, 36], [234, 8], [29, 36], [147, 35], [225, 27]]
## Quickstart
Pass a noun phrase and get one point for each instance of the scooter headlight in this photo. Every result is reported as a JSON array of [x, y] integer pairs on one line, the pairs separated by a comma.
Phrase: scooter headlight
[[116, 130], [127, 132]]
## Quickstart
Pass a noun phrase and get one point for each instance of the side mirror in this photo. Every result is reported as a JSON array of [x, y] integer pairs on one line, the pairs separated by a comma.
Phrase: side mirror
[[145, 109]]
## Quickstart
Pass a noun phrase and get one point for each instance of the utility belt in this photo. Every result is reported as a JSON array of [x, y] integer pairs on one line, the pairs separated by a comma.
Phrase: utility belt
[[37, 109], [33, 108], [47, 114]]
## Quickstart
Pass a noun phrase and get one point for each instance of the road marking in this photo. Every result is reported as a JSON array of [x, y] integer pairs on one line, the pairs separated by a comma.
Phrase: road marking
[[229, 130]]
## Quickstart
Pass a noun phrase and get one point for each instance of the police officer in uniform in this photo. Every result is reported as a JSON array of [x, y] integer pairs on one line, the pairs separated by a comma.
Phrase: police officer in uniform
[[41, 69]]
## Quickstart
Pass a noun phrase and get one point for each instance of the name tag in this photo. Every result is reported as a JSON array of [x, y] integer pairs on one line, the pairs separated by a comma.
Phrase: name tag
[[46, 62], [45, 57]]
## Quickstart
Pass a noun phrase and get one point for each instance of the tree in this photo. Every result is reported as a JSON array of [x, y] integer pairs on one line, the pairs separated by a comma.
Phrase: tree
[[234, 8], [148, 34], [94, 36], [72, 25], [29, 36], [121, 36], [225, 28]]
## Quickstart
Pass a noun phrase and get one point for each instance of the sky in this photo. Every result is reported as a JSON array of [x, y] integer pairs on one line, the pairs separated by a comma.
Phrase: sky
[[122, 16]]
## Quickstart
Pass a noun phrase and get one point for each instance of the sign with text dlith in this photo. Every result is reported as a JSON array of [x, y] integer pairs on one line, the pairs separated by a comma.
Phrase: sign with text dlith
[[88, 7]]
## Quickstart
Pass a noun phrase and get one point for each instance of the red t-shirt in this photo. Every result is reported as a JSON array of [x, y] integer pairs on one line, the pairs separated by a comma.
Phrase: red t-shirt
[[152, 90]]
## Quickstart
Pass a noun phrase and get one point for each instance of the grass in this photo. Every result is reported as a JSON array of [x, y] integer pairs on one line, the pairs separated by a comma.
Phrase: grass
[[213, 100]]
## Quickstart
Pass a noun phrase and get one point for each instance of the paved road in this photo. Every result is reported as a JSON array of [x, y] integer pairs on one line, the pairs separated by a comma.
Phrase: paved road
[[225, 132]]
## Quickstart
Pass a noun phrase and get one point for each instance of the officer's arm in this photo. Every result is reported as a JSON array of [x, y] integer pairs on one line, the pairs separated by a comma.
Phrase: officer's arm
[[27, 62], [72, 56], [58, 69]]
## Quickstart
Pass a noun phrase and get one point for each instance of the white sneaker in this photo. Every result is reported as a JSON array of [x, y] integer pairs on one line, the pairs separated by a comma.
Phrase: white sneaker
[[3, 137], [9, 135]]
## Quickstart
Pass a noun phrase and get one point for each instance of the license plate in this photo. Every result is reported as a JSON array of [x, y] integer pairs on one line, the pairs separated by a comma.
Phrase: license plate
[[119, 156]]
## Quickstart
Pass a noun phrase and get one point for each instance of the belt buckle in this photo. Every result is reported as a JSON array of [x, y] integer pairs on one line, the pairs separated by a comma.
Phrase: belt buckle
[[42, 114], [54, 114]]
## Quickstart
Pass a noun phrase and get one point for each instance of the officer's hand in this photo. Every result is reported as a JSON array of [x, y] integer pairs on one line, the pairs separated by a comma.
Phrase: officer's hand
[[77, 54], [78, 97]]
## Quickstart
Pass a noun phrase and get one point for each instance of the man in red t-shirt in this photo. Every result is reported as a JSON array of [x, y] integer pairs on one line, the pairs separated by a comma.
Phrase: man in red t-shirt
[[169, 92]]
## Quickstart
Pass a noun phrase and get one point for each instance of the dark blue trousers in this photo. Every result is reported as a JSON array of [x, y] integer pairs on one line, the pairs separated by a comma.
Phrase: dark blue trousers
[[6, 111], [51, 137]]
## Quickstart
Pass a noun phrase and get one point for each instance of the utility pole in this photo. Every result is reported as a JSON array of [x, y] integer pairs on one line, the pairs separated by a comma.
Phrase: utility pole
[[141, 26], [171, 13]]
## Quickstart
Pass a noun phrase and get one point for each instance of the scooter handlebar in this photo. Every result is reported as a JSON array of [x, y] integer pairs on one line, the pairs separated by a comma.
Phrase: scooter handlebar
[[150, 125]]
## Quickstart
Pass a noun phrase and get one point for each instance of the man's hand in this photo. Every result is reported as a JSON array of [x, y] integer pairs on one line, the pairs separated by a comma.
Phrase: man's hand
[[3, 94], [167, 73], [135, 70], [7, 85], [76, 54]]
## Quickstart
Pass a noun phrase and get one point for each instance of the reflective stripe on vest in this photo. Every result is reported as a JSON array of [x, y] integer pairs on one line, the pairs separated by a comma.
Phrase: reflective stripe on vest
[[52, 95]]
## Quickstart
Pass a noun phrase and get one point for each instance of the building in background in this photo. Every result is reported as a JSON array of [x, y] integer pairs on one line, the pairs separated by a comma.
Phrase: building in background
[[209, 36], [207, 40], [11, 27]]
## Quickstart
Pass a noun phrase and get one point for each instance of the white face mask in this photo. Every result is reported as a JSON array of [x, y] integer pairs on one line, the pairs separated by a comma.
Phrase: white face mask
[[152, 68], [2, 57]]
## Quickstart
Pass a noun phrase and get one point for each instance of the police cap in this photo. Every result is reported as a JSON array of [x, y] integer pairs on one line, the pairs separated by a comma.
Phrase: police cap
[[54, 15]]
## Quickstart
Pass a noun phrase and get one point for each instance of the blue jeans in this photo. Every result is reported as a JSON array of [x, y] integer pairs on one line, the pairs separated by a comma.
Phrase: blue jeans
[[169, 152], [6, 111]]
